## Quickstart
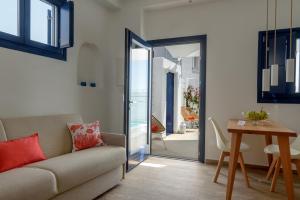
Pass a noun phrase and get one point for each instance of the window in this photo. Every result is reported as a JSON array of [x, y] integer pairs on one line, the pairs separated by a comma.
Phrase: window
[[9, 10], [43, 21], [42, 27]]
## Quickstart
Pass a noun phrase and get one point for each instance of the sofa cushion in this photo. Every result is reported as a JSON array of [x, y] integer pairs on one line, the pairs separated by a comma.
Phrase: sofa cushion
[[27, 184], [79, 167], [55, 138]]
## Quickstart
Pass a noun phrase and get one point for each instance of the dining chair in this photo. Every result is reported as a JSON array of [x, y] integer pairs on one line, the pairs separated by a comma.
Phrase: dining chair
[[224, 146], [276, 163]]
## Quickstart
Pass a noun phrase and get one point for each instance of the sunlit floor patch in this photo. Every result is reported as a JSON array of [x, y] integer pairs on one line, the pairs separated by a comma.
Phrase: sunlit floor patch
[[152, 165]]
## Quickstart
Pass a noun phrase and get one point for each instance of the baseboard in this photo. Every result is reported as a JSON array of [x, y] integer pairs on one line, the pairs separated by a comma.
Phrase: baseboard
[[250, 166]]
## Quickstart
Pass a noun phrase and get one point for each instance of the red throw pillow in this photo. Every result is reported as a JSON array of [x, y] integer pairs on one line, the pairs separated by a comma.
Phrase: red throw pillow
[[19, 152], [85, 136]]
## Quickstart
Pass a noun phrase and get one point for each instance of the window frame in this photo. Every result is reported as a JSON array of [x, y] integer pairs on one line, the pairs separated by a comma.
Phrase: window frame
[[24, 43]]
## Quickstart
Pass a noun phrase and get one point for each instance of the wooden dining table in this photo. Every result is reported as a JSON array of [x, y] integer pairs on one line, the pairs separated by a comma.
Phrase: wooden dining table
[[267, 128]]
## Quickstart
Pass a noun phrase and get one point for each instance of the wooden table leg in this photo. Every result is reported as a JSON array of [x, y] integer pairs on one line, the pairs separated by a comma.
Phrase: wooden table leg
[[284, 147], [269, 141], [236, 139]]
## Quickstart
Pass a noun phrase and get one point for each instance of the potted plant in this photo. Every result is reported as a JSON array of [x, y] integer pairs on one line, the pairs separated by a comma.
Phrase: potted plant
[[192, 99], [256, 117]]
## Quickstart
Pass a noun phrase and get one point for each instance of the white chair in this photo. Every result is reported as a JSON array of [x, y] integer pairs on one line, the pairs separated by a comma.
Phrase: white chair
[[224, 145], [276, 164]]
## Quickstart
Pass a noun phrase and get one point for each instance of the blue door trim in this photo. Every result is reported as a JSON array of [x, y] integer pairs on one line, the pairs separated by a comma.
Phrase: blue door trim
[[202, 39], [170, 104]]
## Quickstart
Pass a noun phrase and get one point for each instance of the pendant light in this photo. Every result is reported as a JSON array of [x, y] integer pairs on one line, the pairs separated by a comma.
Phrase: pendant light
[[275, 66], [266, 70], [290, 63]]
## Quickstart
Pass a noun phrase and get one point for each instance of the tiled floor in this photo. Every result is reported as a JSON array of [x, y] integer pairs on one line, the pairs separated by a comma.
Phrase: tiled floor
[[166, 179]]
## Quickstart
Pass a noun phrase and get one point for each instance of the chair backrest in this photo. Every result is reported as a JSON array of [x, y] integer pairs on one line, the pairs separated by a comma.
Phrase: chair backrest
[[296, 143], [221, 139], [156, 125]]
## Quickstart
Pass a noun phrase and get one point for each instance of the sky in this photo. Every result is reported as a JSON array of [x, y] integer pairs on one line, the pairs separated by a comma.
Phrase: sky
[[139, 71], [8, 10], [9, 19], [139, 85]]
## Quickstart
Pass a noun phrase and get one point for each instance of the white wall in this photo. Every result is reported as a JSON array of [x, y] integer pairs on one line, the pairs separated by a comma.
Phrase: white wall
[[189, 77], [35, 85], [232, 30], [161, 67], [159, 79]]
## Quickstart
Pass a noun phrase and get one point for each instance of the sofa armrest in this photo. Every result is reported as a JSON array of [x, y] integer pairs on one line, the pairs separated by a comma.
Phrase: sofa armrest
[[114, 139]]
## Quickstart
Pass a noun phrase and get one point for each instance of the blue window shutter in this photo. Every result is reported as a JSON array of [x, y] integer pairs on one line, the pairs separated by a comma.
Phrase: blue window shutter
[[67, 25]]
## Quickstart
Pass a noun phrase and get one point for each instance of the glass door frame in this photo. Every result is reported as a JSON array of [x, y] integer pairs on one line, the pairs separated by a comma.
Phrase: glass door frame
[[129, 38]]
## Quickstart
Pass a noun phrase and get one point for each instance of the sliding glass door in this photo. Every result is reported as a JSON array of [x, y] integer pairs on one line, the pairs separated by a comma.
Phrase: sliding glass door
[[137, 99]]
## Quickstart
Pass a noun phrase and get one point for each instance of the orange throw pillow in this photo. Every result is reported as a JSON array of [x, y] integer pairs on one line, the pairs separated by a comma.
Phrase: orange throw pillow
[[19, 152]]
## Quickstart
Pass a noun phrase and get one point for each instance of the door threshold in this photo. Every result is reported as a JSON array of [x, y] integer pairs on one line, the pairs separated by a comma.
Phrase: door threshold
[[175, 158]]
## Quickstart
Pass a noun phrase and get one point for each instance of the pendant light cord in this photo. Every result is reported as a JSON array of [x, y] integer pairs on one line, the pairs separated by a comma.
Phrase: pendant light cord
[[275, 34], [267, 35], [291, 30]]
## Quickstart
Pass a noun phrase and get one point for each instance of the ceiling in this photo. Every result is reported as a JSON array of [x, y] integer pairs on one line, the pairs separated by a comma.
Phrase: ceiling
[[185, 50]]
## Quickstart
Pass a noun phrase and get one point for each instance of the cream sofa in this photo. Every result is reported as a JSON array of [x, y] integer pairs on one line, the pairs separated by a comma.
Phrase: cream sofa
[[82, 175]]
